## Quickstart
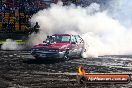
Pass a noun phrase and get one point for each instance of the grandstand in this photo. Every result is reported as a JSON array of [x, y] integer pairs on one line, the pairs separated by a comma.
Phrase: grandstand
[[14, 14]]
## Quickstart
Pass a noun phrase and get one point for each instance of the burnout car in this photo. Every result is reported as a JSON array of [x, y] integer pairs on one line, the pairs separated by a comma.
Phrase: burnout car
[[62, 46]]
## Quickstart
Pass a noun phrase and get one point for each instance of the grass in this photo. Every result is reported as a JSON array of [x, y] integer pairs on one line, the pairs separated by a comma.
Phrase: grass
[[17, 41]]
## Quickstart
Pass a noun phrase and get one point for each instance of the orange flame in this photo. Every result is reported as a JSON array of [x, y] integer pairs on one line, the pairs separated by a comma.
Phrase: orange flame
[[81, 71]]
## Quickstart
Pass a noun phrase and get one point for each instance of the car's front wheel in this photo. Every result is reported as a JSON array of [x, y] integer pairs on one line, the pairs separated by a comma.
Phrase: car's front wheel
[[66, 56], [83, 53], [36, 57]]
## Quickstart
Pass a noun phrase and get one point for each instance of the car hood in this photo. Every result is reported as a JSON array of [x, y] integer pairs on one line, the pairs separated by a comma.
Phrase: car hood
[[52, 46]]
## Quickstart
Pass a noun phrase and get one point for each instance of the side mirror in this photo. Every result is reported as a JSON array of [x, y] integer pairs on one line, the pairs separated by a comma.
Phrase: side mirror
[[44, 41], [73, 42]]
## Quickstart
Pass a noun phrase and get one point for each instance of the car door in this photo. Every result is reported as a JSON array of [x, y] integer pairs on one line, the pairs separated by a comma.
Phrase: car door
[[80, 44], [73, 49]]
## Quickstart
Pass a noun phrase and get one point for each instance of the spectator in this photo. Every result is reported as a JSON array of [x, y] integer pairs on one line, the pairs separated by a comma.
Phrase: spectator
[[10, 1], [0, 9], [0, 4], [3, 8], [9, 27], [4, 26], [1, 18], [17, 19], [12, 11], [17, 9], [12, 26], [36, 27]]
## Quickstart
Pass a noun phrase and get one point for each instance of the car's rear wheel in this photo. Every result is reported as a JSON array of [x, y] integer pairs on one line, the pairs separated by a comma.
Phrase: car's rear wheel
[[36, 57]]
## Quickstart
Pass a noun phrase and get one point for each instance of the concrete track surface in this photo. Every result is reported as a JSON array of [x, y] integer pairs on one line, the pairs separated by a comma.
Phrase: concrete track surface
[[18, 69]]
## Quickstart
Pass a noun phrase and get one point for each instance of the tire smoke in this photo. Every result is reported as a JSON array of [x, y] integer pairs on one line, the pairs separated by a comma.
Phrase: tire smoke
[[10, 44], [103, 34], [106, 32]]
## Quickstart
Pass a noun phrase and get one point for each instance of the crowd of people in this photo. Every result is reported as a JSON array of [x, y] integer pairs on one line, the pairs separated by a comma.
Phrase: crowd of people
[[15, 14]]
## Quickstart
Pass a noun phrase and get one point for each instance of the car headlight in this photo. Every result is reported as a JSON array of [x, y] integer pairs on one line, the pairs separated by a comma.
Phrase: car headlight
[[51, 50], [61, 50], [32, 49], [54, 50]]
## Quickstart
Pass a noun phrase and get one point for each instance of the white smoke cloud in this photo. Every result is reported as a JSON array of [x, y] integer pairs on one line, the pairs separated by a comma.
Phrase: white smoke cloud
[[102, 33], [10, 44]]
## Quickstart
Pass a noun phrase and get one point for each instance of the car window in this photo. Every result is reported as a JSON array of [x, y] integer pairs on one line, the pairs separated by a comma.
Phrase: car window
[[65, 38], [62, 39], [73, 39], [78, 38]]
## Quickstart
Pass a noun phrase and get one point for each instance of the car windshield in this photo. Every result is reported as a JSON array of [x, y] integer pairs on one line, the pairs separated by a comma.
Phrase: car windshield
[[58, 39], [62, 39]]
